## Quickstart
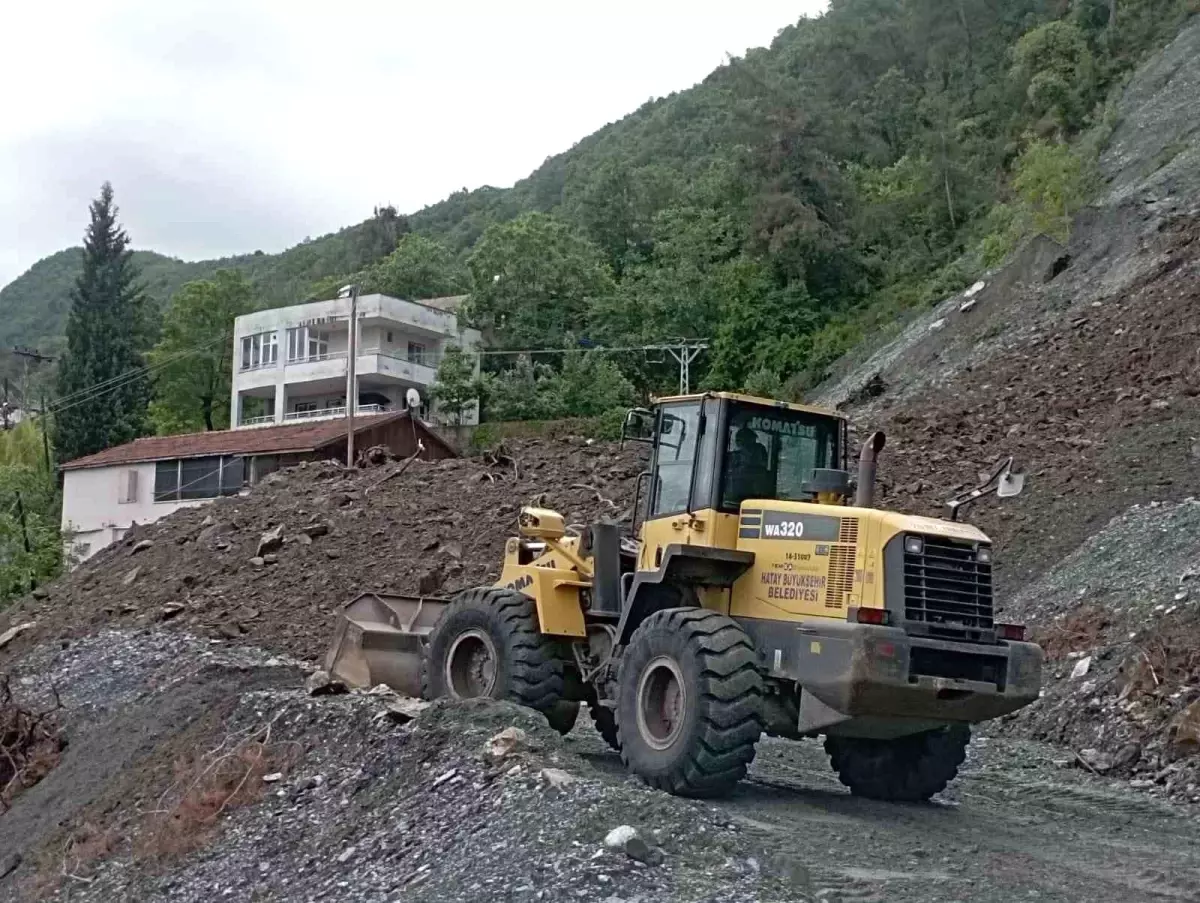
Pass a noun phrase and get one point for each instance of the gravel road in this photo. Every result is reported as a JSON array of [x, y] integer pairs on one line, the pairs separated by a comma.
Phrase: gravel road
[[1017, 825]]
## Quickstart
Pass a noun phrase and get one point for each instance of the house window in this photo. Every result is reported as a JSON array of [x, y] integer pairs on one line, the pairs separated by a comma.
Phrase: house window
[[307, 344], [416, 352], [335, 403], [260, 350], [303, 407], [389, 337], [188, 479]]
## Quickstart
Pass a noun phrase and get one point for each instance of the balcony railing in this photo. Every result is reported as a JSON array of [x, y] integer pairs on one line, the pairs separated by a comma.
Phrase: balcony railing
[[264, 420], [316, 358], [339, 411]]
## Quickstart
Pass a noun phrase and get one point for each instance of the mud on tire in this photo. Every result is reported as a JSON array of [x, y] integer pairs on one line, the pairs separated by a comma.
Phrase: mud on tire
[[500, 625], [700, 741], [906, 769]]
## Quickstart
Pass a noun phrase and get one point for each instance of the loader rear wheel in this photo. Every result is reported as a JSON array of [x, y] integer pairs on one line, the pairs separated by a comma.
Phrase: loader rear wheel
[[689, 702], [906, 769], [487, 644]]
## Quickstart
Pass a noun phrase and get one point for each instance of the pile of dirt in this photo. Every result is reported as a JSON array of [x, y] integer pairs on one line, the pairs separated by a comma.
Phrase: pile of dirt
[[273, 567], [275, 794], [1099, 407], [1120, 622]]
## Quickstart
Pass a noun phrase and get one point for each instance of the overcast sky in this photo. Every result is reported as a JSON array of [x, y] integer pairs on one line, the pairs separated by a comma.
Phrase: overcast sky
[[227, 126]]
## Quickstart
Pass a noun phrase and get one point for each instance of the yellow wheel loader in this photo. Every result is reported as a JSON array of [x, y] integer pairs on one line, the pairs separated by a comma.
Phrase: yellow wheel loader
[[760, 591]]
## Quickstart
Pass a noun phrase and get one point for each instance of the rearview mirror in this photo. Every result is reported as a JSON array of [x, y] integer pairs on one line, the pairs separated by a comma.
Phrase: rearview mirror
[[1003, 482]]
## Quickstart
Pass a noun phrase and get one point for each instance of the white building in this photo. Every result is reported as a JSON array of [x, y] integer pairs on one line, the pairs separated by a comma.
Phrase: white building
[[289, 363]]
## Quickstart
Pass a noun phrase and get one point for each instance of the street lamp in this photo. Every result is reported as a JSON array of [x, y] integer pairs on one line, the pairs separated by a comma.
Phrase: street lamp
[[351, 292]]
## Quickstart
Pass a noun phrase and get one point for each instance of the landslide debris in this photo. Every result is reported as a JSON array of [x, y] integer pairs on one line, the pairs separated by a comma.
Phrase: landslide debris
[[339, 797], [273, 567]]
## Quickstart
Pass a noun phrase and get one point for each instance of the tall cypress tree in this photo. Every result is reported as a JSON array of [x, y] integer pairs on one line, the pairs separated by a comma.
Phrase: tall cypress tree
[[102, 387]]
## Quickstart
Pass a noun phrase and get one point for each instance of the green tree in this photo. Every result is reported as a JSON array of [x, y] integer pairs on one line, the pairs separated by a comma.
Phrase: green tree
[[192, 361], [1054, 182], [102, 385], [457, 387], [420, 267], [1054, 65], [534, 280]]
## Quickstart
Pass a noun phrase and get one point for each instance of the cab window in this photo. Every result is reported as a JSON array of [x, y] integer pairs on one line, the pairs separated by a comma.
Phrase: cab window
[[770, 454], [678, 428]]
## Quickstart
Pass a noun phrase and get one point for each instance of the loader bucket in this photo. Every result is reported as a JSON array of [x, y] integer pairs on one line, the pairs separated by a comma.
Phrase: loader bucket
[[380, 639]]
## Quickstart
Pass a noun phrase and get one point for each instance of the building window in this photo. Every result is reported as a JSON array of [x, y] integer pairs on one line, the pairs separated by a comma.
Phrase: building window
[[305, 344], [389, 337], [416, 352], [188, 479], [303, 407], [260, 350], [335, 403]]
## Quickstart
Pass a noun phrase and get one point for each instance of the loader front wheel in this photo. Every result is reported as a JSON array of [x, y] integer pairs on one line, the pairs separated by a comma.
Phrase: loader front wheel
[[906, 769], [487, 644], [689, 702]]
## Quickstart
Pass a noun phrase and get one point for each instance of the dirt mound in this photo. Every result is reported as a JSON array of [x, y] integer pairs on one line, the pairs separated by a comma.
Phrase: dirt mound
[[273, 567], [1099, 407], [201, 771]]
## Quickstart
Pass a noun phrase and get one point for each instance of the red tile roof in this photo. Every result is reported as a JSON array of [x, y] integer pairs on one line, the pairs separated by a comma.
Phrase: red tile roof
[[267, 440]]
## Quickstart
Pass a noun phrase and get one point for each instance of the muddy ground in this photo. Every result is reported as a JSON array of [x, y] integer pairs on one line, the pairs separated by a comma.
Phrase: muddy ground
[[361, 807]]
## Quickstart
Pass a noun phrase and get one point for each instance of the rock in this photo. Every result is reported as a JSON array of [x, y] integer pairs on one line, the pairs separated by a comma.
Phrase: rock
[[505, 743], [273, 777], [444, 777], [557, 778], [303, 539], [171, 609], [1127, 756], [270, 541], [1185, 731], [142, 545], [258, 561], [345, 855], [1094, 760], [619, 836], [430, 581], [626, 839], [332, 554], [40, 593], [13, 632], [313, 530], [129, 578], [229, 631], [404, 709], [1081, 667], [270, 559], [321, 683], [208, 521]]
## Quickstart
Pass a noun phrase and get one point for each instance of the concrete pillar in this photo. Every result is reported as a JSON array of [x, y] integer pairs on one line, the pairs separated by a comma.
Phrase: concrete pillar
[[280, 398]]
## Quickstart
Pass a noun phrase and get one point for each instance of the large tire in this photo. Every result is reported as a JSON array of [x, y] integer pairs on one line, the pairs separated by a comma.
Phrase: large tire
[[487, 644], [689, 702], [906, 769]]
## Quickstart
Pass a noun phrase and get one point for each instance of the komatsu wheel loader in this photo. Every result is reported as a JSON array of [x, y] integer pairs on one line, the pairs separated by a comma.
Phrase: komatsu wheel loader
[[760, 591]]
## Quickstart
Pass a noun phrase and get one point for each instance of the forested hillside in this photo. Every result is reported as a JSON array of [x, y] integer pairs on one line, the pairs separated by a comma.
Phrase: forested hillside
[[868, 161]]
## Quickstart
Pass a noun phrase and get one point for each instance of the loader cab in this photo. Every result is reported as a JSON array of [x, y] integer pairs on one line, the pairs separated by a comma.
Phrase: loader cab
[[714, 451]]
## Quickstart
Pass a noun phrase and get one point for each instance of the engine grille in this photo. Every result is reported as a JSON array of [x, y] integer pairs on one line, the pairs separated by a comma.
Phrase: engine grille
[[945, 586]]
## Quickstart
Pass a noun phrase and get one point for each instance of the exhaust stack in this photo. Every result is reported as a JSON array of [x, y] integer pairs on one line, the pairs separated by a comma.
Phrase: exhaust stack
[[864, 495]]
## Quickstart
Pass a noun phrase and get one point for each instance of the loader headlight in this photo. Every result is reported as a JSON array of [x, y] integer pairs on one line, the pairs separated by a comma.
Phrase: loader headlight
[[914, 545], [984, 555]]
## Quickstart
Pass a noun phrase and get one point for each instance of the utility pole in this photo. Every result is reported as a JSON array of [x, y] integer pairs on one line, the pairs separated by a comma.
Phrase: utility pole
[[46, 435], [684, 354], [6, 407], [29, 354], [351, 361]]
